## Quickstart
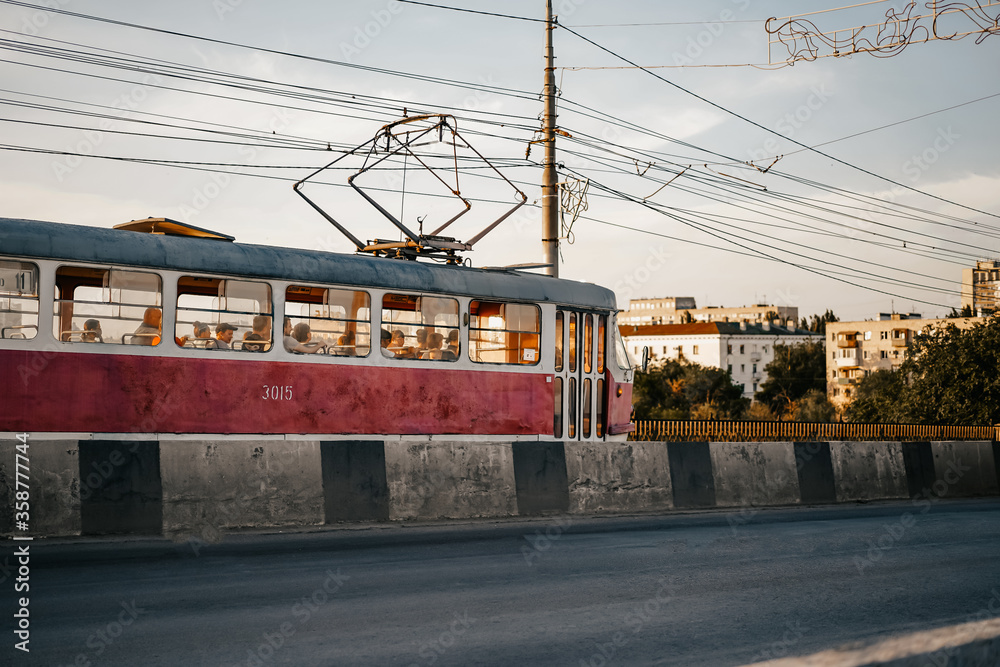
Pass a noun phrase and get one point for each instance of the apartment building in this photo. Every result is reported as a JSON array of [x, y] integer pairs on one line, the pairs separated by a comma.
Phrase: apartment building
[[742, 348], [855, 349], [679, 310], [981, 288]]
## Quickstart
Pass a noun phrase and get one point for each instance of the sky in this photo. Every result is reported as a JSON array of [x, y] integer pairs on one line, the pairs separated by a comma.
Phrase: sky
[[887, 183]]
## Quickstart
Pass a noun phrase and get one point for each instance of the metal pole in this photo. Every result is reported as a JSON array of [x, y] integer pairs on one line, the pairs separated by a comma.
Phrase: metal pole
[[550, 189]]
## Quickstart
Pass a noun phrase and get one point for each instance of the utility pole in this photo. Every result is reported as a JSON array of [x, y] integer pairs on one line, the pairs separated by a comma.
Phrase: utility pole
[[550, 187]]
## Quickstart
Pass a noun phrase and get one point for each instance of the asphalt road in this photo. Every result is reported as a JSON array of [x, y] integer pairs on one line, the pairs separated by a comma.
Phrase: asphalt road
[[705, 588]]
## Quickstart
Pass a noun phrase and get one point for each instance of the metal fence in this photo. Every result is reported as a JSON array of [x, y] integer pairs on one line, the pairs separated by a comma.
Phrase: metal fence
[[774, 431]]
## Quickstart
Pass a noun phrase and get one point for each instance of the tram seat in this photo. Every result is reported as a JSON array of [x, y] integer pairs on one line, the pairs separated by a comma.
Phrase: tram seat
[[13, 332], [71, 336]]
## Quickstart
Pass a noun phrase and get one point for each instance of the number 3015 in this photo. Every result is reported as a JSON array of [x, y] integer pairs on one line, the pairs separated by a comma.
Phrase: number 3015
[[274, 392]]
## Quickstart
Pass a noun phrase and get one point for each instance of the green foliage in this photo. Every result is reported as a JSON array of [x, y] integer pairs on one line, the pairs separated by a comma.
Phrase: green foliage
[[814, 407], [949, 376], [761, 413], [672, 389], [794, 371], [817, 323], [965, 312], [877, 400]]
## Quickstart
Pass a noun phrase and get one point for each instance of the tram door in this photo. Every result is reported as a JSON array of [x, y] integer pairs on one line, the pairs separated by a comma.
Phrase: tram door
[[580, 401]]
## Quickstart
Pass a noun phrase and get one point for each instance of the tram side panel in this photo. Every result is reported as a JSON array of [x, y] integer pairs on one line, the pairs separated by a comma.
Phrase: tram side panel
[[147, 394]]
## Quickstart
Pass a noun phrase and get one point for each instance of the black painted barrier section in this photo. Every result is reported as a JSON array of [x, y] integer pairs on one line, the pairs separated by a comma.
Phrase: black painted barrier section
[[815, 471], [919, 462], [691, 475], [996, 460], [540, 477], [354, 481], [120, 487]]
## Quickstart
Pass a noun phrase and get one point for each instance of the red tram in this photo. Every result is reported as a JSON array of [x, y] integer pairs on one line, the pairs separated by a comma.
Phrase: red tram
[[160, 327]]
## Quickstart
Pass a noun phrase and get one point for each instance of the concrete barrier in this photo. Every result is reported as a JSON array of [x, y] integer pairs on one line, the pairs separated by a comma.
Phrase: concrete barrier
[[212, 485], [868, 470], [968, 645], [754, 473], [449, 480], [54, 485], [200, 487], [964, 469], [632, 477]]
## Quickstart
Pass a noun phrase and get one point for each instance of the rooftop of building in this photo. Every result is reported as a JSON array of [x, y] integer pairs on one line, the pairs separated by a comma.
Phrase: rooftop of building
[[715, 328]]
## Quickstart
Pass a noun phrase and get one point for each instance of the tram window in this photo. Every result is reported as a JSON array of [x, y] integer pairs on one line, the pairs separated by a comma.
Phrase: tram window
[[557, 422], [602, 324], [588, 401], [207, 308], [420, 327], [571, 421], [600, 408], [559, 342], [588, 343], [572, 343], [340, 320], [113, 306], [18, 300], [504, 333], [621, 354]]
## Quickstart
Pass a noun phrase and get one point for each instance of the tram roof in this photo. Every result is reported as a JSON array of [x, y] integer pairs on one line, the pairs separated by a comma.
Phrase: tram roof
[[50, 240]]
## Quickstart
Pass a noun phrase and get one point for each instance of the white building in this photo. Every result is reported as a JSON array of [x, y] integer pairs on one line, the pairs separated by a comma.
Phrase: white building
[[742, 348], [681, 309]]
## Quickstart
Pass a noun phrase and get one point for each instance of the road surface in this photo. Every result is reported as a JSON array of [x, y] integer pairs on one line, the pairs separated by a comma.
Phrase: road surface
[[699, 588]]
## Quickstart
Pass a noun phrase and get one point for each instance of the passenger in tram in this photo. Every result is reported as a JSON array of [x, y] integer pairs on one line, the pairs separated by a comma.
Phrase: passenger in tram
[[421, 347], [345, 345], [201, 332], [261, 332], [303, 340], [251, 344], [287, 331], [452, 348], [223, 337], [434, 350], [148, 333], [386, 341], [398, 346], [92, 332]]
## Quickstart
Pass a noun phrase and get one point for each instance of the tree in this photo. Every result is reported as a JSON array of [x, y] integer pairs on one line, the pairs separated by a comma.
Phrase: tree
[[814, 407], [949, 376], [794, 371], [817, 323], [876, 400], [674, 389], [965, 312]]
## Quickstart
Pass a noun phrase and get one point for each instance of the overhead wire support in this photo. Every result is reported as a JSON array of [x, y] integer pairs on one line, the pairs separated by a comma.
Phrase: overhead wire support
[[550, 184], [803, 39], [775, 132]]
